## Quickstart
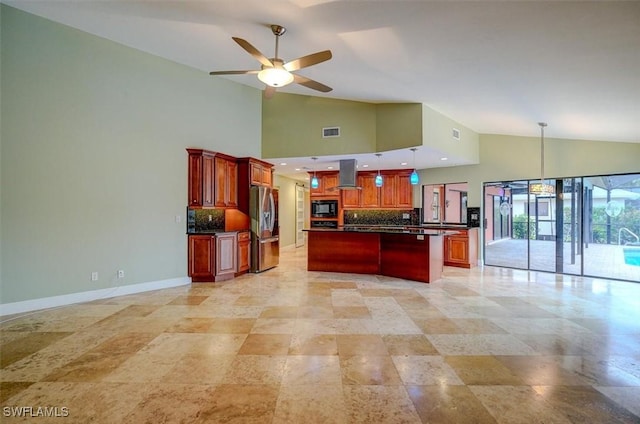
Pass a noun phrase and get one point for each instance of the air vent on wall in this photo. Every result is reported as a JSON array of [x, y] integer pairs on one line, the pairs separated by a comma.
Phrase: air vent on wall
[[330, 132], [455, 133]]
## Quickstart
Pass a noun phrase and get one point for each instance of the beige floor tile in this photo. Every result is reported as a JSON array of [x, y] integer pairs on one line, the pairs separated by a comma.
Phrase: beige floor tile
[[483, 345], [266, 344], [425, 371], [380, 405], [309, 403], [448, 404], [369, 370], [240, 403]]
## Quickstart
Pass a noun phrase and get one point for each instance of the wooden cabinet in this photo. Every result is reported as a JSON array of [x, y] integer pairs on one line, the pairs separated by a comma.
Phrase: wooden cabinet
[[225, 188], [244, 252], [251, 172], [226, 255], [202, 257], [461, 249], [370, 194], [404, 190], [260, 173], [212, 179], [350, 199], [212, 257], [327, 183], [396, 191], [388, 191]]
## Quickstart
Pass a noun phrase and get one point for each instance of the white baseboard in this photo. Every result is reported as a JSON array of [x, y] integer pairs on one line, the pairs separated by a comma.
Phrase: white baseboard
[[88, 296]]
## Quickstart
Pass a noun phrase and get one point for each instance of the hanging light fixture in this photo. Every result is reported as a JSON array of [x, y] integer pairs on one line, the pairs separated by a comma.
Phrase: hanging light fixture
[[378, 177], [414, 179], [541, 188], [314, 179]]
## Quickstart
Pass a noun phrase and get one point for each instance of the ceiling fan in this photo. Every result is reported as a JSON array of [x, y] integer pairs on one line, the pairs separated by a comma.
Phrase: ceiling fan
[[274, 72]]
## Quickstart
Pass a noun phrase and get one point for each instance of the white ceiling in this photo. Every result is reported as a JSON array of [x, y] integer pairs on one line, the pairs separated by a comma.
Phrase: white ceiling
[[497, 67]]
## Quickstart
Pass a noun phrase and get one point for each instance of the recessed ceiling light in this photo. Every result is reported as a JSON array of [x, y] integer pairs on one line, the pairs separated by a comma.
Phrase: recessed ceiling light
[[403, 163], [283, 163], [297, 169], [444, 158], [365, 166], [329, 167]]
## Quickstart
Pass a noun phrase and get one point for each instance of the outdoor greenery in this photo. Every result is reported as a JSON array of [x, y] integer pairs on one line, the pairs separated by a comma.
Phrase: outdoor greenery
[[629, 218]]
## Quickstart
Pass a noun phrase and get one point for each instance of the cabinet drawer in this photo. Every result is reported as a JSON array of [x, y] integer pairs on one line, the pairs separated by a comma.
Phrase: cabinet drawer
[[244, 236]]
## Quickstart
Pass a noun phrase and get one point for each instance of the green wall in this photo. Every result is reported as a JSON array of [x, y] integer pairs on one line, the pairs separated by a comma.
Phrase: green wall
[[92, 158], [438, 135], [292, 126], [398, 125]]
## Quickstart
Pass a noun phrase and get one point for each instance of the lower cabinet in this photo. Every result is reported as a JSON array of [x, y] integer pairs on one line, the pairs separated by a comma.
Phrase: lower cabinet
[[244, 252], [461, 249], [212, 257]]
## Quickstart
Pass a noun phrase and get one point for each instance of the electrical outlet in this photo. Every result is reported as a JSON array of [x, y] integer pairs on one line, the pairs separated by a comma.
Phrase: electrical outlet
[[120, 273], [210, 218], [94, 276], [355, 215], [178, 219]]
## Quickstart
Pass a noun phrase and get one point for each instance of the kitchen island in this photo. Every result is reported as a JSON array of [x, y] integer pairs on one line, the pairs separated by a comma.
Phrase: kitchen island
[[413, 254]]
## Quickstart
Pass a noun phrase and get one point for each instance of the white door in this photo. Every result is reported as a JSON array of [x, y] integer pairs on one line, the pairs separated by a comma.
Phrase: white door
[[299, 216]]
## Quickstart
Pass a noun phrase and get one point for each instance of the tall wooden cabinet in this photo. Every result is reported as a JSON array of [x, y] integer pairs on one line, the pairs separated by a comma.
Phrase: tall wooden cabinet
[[212, 179]]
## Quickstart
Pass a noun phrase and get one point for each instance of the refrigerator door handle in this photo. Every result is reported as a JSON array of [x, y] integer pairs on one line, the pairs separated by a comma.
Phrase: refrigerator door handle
[[269, 240], [272, 211]]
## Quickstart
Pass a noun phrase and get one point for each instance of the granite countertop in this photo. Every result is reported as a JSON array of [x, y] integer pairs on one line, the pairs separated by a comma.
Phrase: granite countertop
[[212, 232], [390, 229]]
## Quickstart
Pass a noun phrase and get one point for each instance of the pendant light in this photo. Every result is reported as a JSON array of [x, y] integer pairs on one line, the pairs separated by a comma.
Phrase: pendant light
[[378, 177], [541, 188], [414, 179], [314, 179]]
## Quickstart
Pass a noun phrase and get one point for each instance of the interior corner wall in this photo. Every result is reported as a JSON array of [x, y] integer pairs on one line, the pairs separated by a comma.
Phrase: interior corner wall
[[292, 126], [93, 161], [286, 209], [398, 126], [438, 135]]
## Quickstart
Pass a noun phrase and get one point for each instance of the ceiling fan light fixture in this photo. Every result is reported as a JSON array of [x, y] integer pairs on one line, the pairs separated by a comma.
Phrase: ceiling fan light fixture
[[275, 77]]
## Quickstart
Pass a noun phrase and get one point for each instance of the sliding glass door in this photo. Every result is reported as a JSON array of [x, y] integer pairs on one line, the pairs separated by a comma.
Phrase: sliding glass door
[[585, 226]]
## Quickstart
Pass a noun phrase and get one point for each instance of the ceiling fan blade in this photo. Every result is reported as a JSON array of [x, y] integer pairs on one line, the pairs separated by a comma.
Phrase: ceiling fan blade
[[232, 72], [269, 92], [309, 83], [308, 60], [253, 51]]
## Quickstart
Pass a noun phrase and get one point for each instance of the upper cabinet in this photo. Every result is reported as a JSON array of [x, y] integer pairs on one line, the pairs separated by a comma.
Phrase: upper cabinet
[[252, 171], [396, 191], [327, 183], [212, 179]]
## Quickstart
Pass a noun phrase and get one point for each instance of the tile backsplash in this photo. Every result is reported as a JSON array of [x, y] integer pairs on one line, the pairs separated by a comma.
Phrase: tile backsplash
[[382, 217], [205, 220]]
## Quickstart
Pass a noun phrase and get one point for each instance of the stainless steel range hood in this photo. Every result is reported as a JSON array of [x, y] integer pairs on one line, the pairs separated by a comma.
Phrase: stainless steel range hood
[[348, 177]]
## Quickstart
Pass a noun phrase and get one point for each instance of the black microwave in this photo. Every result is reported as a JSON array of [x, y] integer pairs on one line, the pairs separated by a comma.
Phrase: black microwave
[[324, 208]]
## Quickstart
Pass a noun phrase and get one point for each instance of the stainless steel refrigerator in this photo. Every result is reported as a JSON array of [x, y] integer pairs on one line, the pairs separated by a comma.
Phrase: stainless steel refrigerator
[[265, 240]]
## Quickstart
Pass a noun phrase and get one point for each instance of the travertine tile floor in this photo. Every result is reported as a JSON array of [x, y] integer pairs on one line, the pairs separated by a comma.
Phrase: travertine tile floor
[[290, 346]]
